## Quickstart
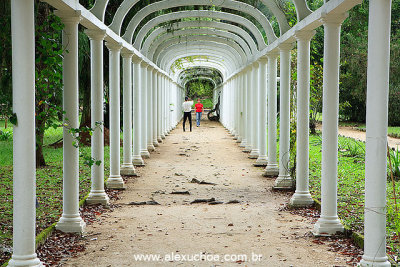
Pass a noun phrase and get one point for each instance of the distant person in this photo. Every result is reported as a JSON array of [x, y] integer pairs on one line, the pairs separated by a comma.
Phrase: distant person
[[187, 112], [199, 110]]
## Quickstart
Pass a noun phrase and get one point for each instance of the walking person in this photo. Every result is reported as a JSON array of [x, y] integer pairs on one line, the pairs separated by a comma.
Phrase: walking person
[[199, 111], [187, 112]]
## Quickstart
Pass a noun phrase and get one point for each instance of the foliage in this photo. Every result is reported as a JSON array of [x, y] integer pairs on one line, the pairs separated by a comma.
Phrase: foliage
[[316, 82], [395, 161], [207, 103], [199, 88], [351, 148], [5, 135], [48, 75]]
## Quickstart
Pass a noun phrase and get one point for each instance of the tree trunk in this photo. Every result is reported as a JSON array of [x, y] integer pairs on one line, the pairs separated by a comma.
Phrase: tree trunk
[[40, 162], [5, 122]]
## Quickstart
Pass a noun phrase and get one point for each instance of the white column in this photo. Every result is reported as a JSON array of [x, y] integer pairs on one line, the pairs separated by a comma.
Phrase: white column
[[284, 180], [70, 220], [137, 120], [243, 144], [159, 108], [155, 107], [255, 152], [24, 166], [127, 167], [239, 90], [114, 180], [376, 135], [150, 146], [143, 111], [249, 116], [262, 159], [272, 169], [163, 87], [97, 194], [329, 222], [302, 196]]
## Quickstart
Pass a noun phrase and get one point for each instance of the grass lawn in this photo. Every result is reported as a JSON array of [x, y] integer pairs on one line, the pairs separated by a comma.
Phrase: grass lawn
[[351, 175], [48, 181], [207, 103]]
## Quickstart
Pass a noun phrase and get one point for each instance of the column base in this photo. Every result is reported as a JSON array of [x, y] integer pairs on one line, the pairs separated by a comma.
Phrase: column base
[[254, 153], [163, 136], [137, 161], [71, 224], [99, 197], [327, 226], [243, 143], [261, 161], [128, 170], [374, 262], [235, 137], [247, 149], [159, 139], [272, 170], [239, 139], [115, 182], [301, 199], [155, 143], [145, 154], [150, 147], [283, 182], [25, 260]]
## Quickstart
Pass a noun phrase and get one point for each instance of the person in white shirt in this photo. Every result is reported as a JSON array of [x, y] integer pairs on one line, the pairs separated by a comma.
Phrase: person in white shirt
[[187, 112]]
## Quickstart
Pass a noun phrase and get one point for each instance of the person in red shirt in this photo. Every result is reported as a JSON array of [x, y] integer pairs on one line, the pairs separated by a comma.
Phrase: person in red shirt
[[199, 110]]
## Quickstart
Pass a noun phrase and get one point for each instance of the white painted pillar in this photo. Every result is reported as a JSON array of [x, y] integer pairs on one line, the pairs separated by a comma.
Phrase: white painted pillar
[[302, 196], [155, 107], [245, 89], [159, 108], [137, 120], [249, 116], [24, 142], [262, 159], [150, 146], [243, 143], [239, 90], [255, 152], [163, 88], [114, 181], [284, 180], [329, 222], [272, 169], [97, 194], [143, 110], [127, 167], [70, 220], [376, 135]]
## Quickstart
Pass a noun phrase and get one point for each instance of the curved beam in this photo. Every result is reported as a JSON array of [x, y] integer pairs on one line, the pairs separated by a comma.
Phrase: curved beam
[[223, 67], [160, 31], [199, 38], [196, 14], [183, 34], [278, 13], [99, 9], [226, 65], [301, 9], [224, 50], [234, 5]]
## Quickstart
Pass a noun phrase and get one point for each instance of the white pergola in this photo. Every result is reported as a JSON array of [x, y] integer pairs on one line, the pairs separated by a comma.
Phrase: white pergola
[[245, 53]]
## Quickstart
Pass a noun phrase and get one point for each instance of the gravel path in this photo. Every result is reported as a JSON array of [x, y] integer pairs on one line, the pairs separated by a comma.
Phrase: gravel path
[[253, 232]]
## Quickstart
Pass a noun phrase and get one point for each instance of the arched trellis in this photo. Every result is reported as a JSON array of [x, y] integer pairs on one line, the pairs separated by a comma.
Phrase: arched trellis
[[209, 63], [201, 24], [242, 85], [188, 34], [196, 14]]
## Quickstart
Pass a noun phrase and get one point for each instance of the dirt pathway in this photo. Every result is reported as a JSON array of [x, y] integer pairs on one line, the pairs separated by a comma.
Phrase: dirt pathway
[[360, 135], [205, 235]]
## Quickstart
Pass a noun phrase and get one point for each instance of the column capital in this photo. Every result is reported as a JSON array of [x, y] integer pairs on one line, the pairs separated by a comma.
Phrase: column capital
[[95, 34], [69, 17], [285, 46], [136, 59], [150, 67], [303, 35], [273, 55], [113, 46], [255, 64], [143, 64], [333, 19], [263, 60], [125, 53]]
